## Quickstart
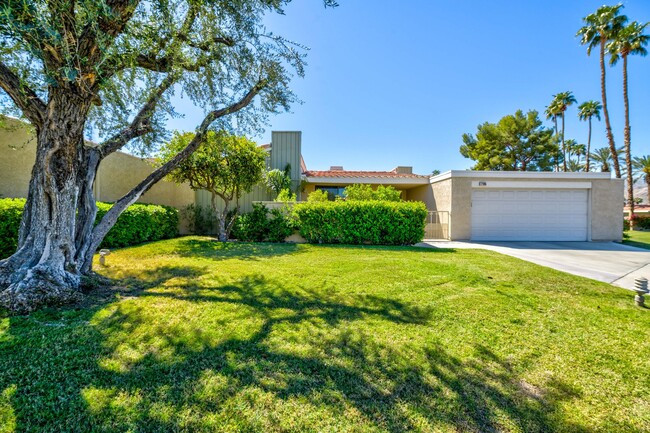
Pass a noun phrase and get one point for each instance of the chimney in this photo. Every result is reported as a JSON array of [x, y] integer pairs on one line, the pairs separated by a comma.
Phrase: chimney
[[336, 168], [401, 169]]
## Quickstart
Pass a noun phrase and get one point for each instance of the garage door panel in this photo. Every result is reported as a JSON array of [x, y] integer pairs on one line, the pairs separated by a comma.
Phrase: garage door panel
[[536, 214]]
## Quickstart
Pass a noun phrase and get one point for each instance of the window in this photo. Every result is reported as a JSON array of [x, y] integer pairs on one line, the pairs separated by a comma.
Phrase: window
[[332, 191]]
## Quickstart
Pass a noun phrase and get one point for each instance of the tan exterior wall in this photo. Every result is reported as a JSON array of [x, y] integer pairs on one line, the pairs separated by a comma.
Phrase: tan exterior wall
[[120, 172], [422, 193], [17, 155], [607, 210], [116, 176], [461, 209], [306, 190], [606, 205]]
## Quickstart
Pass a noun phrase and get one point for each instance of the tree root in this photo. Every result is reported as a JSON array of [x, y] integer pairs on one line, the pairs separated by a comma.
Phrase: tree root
[[39, 286]]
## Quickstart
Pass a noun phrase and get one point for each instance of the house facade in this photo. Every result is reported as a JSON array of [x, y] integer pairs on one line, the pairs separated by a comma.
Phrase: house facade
[[463, 205]]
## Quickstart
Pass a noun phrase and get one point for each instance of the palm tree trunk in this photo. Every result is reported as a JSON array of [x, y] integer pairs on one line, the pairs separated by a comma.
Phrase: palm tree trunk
[[627, 139], [588, 146], [608, 125], [563, 146], [557, 134]]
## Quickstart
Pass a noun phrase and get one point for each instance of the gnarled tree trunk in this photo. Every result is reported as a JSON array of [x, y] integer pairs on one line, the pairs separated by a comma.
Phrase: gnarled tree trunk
[[58, 236], [45, 268]]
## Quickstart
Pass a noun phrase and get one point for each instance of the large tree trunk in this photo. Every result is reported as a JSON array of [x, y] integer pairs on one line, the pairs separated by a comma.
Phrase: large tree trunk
[[45, 268], [608, 125], [627, 142]]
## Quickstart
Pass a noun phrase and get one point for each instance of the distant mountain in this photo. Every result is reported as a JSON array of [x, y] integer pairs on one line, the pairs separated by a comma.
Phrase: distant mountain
[[641, 190]]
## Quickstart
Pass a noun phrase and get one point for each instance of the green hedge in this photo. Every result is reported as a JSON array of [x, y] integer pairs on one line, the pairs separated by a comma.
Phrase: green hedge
[[138, 223], [11, 210], [362, 222], [262, 225]]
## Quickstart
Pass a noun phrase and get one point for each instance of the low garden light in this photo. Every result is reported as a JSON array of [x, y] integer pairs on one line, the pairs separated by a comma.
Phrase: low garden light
[[641, 288], [103, 253]]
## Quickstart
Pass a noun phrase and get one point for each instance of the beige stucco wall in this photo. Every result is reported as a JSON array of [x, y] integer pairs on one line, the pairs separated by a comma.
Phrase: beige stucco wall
[[422, 193], [17, 154], [607, 210], [606, 205], [120, 172], [117, 174]]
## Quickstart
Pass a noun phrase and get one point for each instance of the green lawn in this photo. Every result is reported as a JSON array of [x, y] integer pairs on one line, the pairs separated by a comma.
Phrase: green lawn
[[199, 336], [638, 239]]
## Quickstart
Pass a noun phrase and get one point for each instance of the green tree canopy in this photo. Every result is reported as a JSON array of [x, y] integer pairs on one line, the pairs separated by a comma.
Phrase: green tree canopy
[[225, 165], [517, 142], [364, 192], [114, 65]]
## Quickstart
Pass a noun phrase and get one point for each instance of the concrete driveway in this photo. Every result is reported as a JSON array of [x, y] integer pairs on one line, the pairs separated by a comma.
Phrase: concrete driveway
[[610, 262]]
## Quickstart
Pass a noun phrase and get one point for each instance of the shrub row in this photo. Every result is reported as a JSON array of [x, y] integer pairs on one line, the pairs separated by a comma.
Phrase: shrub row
[[11, 210], [362, 222], [138, 223], [640, 223], [262, 225]]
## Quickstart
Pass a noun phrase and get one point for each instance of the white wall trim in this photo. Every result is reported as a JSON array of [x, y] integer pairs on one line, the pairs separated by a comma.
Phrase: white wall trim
[[529, 184], [542, 175]]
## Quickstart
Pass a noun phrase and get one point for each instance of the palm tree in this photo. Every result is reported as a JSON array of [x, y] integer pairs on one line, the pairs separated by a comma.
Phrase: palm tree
[[560, 103], [587, 110], [601, 27], [552, 112], [641, 167], [603, 158], [573, 148], [575, 166], [630, 40]]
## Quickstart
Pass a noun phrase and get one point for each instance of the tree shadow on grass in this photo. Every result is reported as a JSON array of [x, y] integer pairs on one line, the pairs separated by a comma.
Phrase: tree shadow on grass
[[215, 250], [255, 355]]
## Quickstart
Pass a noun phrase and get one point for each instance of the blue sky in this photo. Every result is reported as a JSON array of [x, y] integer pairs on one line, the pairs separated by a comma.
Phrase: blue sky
[[398, 83]]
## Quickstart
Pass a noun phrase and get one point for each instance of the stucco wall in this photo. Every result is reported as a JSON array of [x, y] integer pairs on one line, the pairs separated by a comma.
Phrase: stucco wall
[[117, 174], [422, 193], [607, 210], [606, 205], [17, 154], [120, 172]]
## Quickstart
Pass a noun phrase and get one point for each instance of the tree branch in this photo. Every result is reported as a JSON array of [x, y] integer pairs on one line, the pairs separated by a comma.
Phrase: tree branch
[[132, 196], [141, 123], [25, 98]]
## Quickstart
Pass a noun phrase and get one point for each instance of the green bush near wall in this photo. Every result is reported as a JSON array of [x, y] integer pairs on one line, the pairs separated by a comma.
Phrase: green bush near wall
[[262, 225], [138, 223], [11, 210], [362, 222]]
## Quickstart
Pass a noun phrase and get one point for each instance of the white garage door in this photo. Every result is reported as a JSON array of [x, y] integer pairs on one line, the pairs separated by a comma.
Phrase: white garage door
[[529, 215]]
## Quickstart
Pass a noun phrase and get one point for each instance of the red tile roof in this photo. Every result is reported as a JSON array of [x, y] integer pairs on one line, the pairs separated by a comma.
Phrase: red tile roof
[[349, 173]]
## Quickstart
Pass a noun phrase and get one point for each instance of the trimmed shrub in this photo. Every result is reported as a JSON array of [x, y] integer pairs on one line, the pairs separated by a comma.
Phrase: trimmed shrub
[[138, 223], [317, 196], [364, 192], [286, 196], [262, 225], [252, 226], [200, 219], [281, 224], [362, 222], [11, 210]]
